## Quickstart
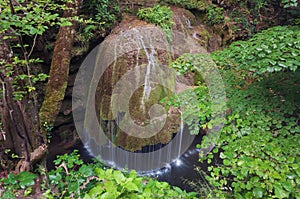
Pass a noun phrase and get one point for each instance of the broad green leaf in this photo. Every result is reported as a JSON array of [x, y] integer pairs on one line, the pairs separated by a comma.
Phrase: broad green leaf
[[258, 192]]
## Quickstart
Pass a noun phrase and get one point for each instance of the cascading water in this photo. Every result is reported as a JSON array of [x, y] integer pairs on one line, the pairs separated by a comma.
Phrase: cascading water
[[155, 155], [150, 66], [188, 22], [115, 108], [133, 60]]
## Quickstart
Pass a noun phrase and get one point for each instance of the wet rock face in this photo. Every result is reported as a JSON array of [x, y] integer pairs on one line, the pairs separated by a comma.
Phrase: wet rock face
[[186, 22], [188, 36], [144, 59], [137, 46], [135, 4]]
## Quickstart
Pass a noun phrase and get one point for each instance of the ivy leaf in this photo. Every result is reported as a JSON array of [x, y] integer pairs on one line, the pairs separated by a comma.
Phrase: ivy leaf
[[279, 192], [222, 155], [258, 192], [287, 186], [26, 179], [131, 186], [119, 177]]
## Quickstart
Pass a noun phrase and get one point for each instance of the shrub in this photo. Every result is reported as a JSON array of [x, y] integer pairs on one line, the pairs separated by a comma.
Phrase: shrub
[[74, 179], [289, 3], [195, 115], [258, 144], [190, 4], [215, 15], [15, 185], [273, 50], [104, 12], [158, 15]]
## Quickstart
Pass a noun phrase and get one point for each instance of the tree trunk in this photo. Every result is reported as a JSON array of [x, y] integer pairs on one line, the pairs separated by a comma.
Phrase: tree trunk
[[19, 121], [59, 71], [17, 134]]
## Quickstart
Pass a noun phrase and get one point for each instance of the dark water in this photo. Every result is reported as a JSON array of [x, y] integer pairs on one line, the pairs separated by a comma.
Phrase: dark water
[[183, 173]]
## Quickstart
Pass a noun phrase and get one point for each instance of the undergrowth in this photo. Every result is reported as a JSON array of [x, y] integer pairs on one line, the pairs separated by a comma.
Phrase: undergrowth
[[74, 179]]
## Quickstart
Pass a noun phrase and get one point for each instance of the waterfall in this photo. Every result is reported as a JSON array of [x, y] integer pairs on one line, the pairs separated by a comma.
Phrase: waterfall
[[111, 130], [115, 61], [142, 46], [180, 134], [150, 65], [188, 22]]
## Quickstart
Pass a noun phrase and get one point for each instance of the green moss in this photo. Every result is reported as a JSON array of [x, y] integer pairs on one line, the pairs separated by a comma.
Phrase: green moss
[[51, 104], [202, 36], [105, 96], [160, 16], [191, 4], [105, 108], [131, 143]]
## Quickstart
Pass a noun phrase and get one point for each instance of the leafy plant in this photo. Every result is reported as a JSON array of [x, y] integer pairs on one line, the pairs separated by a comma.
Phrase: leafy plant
[[74, 179], [158, 15], [289, 3], [258, 142], [35, 19], [195, 115], [190, 4], [115, 184], [16, 184], [273, 50], [215, 15], [104, 12], [31, 19], [243, 27], [71, 177]]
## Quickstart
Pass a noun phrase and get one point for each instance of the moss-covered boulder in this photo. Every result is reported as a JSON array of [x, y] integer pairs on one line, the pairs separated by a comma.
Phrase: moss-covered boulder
[[138, 57]]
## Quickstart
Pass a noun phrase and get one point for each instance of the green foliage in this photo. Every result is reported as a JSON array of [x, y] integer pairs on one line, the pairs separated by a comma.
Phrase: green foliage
[[104, 12], [158, 15], [97, 19], [183, 65], [34, 18], [272, 50], [289, 3], [259, 142], [242, 28], [215, 15], [74, 179], [29, 19], [190, 4], [15, 183], [71, 177], [115, 184], [195, 115]]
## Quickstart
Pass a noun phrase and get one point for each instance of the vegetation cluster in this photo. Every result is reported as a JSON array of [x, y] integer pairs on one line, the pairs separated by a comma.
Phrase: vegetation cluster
[[74, 179], [258, 144]]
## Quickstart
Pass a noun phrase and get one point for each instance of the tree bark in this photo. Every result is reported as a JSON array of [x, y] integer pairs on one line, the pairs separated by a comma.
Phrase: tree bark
[[59, 71], [16, 133], [18, 128]]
